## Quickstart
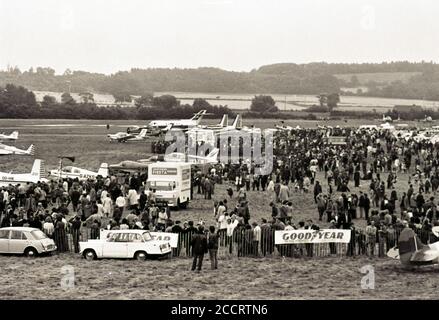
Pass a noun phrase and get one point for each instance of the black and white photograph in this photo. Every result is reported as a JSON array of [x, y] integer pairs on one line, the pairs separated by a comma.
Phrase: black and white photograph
[[219, 150]]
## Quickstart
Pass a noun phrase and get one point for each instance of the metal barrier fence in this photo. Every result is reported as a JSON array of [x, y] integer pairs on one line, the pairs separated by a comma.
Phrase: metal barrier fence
[[242, 244]]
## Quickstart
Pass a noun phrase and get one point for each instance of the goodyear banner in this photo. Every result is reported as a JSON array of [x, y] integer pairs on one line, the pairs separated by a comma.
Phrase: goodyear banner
[[172, 238], [312, 236]]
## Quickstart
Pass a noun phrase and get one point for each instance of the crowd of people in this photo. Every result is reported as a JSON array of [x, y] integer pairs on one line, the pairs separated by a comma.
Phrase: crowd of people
[[354, 185]]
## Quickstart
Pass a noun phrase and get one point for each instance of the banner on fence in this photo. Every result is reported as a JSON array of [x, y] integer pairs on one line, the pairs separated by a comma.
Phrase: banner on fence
[[312, 236], [172, 238]]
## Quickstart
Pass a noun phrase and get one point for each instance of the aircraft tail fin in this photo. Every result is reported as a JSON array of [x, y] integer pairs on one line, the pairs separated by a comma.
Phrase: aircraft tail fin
[[213, 154], [103, 170], [224, 121], [31, 150], [143, 133], [409, 242], [14, 135], [38, 169], [237, 123]]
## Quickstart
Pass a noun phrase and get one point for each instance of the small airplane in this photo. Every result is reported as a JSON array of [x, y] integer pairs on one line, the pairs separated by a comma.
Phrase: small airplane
[[124, 137], [284, 127], [427, 119], [154, 158], [5, 150], [412, 252], [212, 157], [152, 132], [12, 136], [37, 174], [386, 119], [179, 124], [130, 166], [81, 174]]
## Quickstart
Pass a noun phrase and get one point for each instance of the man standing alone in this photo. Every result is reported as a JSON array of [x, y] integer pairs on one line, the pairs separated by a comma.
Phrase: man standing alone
[[199, 248]]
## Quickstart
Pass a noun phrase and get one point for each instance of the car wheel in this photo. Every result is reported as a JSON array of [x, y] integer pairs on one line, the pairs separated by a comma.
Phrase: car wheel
[[184, 204], [31, 252], [89, 255], [140, 256]]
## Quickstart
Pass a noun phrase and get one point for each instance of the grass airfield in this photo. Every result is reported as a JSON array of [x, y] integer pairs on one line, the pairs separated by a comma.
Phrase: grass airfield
[[236, 278]]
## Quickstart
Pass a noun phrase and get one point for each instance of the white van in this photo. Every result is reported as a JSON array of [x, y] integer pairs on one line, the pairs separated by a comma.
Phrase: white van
[[172, 182]]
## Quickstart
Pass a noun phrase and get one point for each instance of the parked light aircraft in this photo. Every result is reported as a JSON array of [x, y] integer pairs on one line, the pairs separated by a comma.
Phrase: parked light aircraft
[[130, 166], [81, 174], [179, 124], [12, 136], [152, 132], [37, 174], [427, 119], [284, 127], [5, 150], [124, 137], [212, 157], [386, 119], [412, 252]]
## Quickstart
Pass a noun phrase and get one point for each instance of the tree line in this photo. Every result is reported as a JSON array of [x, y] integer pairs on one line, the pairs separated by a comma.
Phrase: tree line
[[284, 78], [16, 102]]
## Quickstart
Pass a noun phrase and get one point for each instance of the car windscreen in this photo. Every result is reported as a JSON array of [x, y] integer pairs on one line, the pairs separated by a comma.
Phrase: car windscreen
[[38, 235], [147, 236], [162, 185]]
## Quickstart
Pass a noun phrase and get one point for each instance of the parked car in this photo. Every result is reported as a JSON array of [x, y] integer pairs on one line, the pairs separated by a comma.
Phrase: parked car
[[22, 240], [137, 244]]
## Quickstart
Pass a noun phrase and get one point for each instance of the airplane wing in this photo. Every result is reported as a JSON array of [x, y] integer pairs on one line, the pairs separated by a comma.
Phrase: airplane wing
[[125, 138], [4, 152], [425, 255]]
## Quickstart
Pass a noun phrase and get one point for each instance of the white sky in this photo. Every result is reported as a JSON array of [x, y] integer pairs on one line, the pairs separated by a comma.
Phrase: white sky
[[110, 35]]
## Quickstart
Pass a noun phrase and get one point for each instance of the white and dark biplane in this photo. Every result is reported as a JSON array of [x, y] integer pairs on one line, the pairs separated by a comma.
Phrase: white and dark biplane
[[411, 252]]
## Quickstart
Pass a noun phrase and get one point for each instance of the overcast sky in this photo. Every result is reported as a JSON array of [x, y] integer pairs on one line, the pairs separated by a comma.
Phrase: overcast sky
[[110, 35]]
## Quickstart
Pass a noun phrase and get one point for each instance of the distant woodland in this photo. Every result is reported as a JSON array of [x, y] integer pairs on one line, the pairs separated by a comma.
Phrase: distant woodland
[[407, 80]]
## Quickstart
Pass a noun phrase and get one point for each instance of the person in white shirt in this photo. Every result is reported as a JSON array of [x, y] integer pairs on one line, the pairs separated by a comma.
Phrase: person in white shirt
[[133, 199], [220, 210], [104, 195], [65, 185], [257, 234], [100, 208], [107, 204], [120, 202], [48, 227], [231, 225]]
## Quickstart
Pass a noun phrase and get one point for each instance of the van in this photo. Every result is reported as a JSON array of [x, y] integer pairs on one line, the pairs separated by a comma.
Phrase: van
[[172, 182]]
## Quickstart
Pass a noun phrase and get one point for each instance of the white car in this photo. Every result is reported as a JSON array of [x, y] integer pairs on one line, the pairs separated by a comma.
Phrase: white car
[[28, 241], [137, 244]]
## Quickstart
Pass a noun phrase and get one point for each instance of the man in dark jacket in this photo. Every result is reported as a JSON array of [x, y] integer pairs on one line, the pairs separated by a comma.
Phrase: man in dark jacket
[[212, 245], [199, 248]]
